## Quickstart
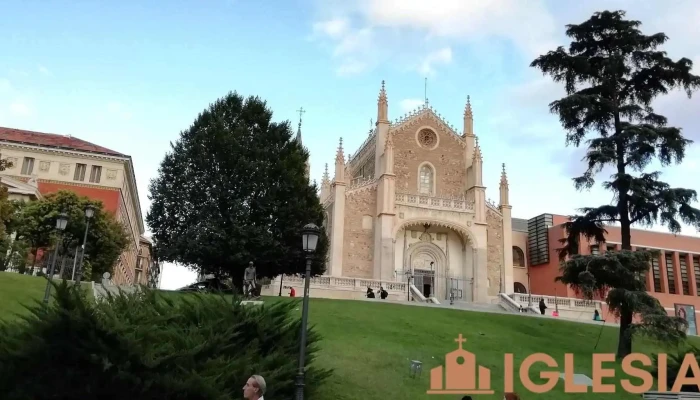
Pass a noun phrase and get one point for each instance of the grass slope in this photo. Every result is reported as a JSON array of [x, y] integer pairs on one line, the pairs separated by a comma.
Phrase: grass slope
[[370, 344]]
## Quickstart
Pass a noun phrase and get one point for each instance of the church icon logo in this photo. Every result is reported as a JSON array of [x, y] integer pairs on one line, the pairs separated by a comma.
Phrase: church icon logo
[[460, 374]]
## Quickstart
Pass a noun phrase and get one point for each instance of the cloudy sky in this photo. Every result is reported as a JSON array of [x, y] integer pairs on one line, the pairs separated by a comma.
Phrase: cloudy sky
[[130, 75]]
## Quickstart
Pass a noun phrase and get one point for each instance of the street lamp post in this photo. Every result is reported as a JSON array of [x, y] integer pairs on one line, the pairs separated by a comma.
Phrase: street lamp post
[[310, 240], [89, 213], [61, 222]]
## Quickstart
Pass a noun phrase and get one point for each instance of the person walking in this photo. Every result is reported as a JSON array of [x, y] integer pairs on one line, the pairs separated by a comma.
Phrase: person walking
[[542, 306], [249, 277]]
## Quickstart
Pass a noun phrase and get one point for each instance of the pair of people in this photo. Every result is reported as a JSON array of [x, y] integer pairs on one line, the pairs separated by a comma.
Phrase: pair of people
[[382, 293]]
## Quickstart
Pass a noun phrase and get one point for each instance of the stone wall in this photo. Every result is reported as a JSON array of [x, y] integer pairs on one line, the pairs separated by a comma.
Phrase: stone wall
[[447, 158], [358, 243], [494, 263]]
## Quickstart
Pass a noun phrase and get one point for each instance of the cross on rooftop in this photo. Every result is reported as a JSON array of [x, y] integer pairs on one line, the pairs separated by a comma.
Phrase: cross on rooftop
[[460, 340]]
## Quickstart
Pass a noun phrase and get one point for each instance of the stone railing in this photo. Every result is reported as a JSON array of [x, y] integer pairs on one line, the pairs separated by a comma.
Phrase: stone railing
[[445, 203], [349, 283], [564, 302], [360, 182]]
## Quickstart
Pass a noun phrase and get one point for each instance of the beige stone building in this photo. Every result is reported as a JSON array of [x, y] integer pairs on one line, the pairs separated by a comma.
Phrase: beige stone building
[[44, 163], [409, 206]]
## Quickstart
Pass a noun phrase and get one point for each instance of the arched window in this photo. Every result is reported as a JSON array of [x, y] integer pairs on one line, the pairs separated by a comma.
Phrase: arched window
[[519, 288], [518, 257], [426, 180]]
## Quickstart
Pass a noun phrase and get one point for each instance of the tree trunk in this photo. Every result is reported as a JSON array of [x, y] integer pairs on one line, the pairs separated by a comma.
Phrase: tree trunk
[[624, 341]]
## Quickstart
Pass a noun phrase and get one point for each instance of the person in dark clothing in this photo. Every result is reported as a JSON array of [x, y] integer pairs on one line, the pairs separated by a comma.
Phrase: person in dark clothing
[[370, 293], [542, 306], [383, 293]]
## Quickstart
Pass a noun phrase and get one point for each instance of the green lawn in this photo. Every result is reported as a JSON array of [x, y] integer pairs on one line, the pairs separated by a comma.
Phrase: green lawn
[[369, 344], [18, 290]]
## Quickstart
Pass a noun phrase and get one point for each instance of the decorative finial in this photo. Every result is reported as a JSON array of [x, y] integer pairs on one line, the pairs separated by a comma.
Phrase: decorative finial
[[468, 108]]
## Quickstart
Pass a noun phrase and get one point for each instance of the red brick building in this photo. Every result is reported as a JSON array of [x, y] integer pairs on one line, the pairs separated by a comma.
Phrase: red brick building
[[674, 276], [54, 162]]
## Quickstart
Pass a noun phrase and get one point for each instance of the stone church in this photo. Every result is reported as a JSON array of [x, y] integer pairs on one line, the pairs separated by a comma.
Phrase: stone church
[[410, 206]]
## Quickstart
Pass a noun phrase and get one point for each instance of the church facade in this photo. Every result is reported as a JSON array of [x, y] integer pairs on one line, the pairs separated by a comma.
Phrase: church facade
[[410, 206]]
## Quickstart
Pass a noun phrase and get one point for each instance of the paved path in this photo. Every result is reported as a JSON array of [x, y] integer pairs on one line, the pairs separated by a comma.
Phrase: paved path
[[487, 308]]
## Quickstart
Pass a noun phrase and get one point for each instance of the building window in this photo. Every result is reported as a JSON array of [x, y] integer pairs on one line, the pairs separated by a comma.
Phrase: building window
[[610, 247], [669, 273], [95, 174], [79, 172], [28, 166], [519, 288], [696, 268], [643, 275], [656, 270], [685, 284], [595, 250], [426, 180], [518, 257]]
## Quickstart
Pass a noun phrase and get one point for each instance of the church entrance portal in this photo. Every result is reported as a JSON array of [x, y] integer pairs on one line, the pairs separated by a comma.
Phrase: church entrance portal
[[425, 281]]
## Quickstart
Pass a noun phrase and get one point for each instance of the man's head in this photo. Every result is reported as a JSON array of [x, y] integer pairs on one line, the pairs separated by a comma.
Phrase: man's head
[[250, 264], [254, 388]]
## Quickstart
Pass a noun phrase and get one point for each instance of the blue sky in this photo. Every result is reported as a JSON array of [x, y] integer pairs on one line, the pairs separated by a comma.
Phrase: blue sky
[[130, 75]]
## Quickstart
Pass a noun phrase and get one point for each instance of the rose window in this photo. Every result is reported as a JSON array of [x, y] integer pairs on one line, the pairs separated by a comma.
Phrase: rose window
[[427, 138]]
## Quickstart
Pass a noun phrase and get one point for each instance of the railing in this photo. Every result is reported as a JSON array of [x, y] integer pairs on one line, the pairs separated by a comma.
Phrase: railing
[[360, 182], [509, 304], [447, 203], [552, 301], [334, 282]]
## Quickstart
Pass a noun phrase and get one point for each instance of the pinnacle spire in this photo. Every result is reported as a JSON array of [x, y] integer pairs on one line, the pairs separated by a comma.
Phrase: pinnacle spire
[[339, 155], [301, 111], [504, 176], [503, 187], [382, 106], [477, 151], [326, 177], [468, 108]]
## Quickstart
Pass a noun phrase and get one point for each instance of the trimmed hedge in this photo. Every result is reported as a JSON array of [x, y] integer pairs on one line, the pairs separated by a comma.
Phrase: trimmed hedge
[[150, 346]]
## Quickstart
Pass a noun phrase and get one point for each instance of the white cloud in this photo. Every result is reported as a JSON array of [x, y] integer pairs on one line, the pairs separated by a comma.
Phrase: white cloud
[[389, 30], [438, 57], [5, 85], [44, 71], [333, 28], [20, 109], [410, 104]]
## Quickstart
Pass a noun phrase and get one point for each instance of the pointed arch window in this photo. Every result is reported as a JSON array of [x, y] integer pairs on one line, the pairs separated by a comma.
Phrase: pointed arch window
[[425, 181]]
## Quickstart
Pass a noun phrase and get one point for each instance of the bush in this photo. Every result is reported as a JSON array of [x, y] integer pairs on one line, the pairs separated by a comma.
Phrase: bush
[[150, 346]]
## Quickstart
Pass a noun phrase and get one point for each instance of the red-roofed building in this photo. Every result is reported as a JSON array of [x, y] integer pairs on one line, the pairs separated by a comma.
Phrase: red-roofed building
[[57, 162]]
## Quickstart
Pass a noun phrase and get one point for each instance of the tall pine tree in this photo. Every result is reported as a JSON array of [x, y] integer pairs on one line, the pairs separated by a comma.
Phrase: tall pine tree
[[612, 73], [233, 190]]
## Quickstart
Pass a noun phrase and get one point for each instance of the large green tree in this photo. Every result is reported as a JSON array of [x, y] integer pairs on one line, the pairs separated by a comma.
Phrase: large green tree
[[612, 72], [106, 240], [233, 189]]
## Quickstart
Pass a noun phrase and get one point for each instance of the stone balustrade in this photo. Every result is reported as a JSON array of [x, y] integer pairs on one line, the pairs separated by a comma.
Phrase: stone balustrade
[[335, 282], [436, 202], [562, 302]]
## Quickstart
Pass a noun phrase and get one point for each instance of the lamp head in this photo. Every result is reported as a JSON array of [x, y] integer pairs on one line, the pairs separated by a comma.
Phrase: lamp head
[[89, 211], [310, 235], [61, 221]]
